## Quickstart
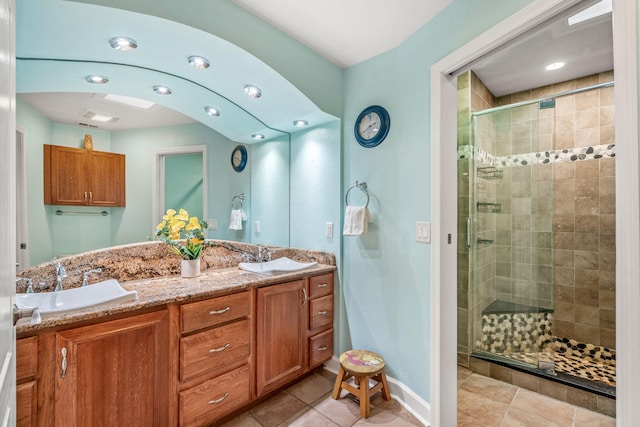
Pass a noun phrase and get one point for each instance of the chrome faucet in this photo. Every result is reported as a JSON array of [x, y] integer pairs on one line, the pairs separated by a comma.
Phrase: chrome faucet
[[29, 284], [261, 257], [85, 276], [61, 273]]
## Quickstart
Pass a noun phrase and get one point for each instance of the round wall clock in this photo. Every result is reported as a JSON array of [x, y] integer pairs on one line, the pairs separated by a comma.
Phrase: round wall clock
[[239, 158], [372, 126]]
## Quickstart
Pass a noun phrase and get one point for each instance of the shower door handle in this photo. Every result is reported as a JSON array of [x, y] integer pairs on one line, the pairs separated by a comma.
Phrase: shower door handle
[[468, 232]]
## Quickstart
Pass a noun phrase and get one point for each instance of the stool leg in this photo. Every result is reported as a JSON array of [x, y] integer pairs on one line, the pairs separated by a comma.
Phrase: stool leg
[[365, 406], [386, 394], [338, 385]]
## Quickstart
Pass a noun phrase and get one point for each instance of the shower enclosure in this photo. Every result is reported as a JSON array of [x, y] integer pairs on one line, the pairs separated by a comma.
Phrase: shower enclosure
[[537, 230]]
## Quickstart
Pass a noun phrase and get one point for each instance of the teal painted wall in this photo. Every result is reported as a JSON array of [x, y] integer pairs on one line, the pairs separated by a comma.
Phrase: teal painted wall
[[37, 131], [269, 196], [184, 184], [132, 223], [386, 273]]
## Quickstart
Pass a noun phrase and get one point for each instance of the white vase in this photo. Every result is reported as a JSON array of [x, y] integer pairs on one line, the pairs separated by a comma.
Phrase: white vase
[[190, 267]]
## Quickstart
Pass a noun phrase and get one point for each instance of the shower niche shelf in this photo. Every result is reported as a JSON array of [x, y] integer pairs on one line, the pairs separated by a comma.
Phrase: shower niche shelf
[[489, 173], [489, 207]]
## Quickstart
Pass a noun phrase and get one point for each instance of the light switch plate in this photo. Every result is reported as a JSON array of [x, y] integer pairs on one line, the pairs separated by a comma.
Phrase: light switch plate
[[329, 229], [212, 224], [423, 232], [256, 225]]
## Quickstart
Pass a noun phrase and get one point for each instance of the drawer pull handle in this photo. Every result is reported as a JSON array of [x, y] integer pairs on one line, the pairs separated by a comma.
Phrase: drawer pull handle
[[323, 348], [323, 312], [323, 285], [224, 310], [64, 362], [218, 350], [214, 401]]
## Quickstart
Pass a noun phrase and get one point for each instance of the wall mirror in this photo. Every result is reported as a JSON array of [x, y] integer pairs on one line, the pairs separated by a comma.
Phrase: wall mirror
[[47, 44]]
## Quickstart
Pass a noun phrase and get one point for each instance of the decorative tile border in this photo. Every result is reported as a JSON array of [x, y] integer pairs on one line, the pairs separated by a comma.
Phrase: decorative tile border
[[538, 158]]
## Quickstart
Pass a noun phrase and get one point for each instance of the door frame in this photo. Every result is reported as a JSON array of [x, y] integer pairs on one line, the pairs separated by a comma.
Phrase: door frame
[[443, 177], [22, 200], [157, 179]]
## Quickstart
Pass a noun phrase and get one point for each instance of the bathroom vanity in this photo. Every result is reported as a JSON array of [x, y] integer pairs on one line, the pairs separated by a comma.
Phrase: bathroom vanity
[[187, 352]]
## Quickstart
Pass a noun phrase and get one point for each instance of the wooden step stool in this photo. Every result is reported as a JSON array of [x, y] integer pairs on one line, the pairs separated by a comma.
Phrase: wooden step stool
[[362, 365]]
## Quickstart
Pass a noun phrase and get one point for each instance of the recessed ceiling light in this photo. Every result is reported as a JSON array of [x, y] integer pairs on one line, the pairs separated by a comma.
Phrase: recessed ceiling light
[[212, 111], [257, 136], [123, 43], [300, 123], [554, 66], [94, 78], [162, 90], [252, 91], [199, 62], [128, 100]]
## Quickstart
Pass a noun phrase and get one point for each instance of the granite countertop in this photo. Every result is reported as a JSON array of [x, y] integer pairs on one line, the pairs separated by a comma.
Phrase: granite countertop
[[160, 290]]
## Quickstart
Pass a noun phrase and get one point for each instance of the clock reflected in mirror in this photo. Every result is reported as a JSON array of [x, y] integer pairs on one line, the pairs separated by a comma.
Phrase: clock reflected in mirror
[[239, 158]]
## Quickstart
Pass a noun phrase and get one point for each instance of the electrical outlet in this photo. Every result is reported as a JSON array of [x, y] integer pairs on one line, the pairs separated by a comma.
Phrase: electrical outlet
[[212, 224], [256, 226]]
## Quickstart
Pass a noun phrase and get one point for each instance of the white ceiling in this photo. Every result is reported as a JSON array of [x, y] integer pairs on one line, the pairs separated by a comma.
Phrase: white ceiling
[[349, 32]]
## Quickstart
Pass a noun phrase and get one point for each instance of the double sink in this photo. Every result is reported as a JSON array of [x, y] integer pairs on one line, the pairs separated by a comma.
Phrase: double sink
[[110, 291]]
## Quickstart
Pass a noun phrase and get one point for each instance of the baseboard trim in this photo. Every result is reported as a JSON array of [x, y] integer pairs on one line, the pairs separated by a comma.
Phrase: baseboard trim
[[413, 403]]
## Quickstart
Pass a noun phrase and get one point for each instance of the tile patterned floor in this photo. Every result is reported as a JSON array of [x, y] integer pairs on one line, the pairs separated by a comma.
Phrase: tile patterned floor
[[485, 402], [482, 402], [309, 404]]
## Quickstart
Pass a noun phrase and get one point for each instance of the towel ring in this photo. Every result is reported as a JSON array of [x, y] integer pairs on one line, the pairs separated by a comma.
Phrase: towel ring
[[360, 185], [239, 197]]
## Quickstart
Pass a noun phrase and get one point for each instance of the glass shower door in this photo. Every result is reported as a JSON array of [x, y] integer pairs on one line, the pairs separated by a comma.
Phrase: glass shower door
[[511, 257]]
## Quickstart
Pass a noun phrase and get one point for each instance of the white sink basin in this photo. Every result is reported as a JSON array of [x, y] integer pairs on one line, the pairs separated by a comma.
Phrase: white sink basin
[[277, 266], [76, 298]]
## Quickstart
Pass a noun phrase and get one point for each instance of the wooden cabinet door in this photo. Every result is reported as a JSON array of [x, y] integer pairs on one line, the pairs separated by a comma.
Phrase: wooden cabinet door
[[64, 176], [106, 173], [114, 373], [280, 335]]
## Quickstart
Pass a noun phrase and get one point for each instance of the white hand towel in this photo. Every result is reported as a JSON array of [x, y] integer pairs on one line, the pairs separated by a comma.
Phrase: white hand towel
[[236, 218], [356, 219]]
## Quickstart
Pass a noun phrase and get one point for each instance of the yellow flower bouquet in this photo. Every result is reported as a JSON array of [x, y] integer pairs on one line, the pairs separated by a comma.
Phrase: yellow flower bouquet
[[182, 233]]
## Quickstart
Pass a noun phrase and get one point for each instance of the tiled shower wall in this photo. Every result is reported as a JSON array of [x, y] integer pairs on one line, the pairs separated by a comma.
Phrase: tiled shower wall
[[583, 219], [562, 259]]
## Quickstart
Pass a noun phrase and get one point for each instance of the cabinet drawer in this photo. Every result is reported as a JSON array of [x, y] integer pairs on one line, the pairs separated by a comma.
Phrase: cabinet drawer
[[26, 404], [320, 312], [213, 350], [202, 404], [211, 312], [26, 358], [320, 348], [321, 285]]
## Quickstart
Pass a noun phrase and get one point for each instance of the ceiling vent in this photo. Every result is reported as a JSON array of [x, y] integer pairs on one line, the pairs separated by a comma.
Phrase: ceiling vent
[[87, 125]]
